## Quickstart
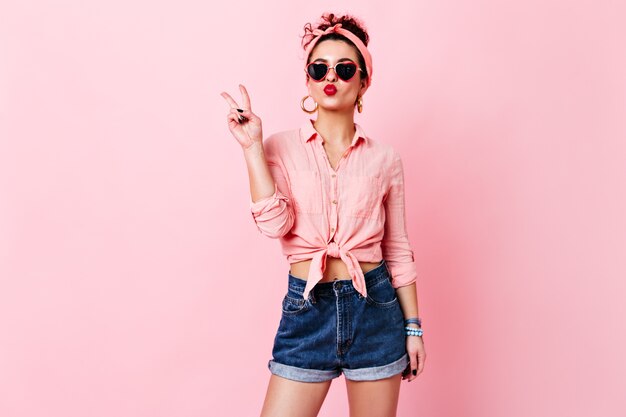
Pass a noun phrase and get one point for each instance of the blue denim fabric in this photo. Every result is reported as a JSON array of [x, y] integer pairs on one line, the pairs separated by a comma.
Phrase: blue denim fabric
[[338, 330]]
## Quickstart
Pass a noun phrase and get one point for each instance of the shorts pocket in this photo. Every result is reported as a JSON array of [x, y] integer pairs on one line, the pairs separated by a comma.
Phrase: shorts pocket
[[306, 191], [363, 195], [382, 295], [293, 306]]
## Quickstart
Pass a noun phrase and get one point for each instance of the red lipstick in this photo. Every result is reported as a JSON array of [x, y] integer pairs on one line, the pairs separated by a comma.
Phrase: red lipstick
[[330, 89]]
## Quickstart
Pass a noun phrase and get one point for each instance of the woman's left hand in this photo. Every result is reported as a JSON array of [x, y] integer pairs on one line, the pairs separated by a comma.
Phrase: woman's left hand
[[417, 355]]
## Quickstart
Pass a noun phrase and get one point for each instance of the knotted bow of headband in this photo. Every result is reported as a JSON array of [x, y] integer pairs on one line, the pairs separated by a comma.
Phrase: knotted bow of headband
[[355, 39]]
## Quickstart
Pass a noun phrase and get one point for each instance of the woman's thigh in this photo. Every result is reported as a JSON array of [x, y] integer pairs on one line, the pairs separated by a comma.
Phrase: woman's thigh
[[377, 398], [287, 398]]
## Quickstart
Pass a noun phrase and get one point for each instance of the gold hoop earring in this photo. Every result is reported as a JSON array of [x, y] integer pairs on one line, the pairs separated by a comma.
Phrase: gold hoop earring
[[304, 108], [359, 104]]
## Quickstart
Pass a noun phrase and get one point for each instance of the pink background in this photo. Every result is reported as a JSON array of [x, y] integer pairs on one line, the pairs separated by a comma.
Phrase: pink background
[[133, 281]]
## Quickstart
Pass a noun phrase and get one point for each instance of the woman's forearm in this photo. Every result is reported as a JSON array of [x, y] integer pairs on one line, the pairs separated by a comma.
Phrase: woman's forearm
[[407, 296], [262, 183]]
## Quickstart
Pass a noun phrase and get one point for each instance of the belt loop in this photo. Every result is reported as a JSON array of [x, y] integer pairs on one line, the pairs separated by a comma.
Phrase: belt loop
[[312, 296]]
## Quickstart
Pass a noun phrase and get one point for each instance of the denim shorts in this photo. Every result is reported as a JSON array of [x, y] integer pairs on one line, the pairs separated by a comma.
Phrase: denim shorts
[[338, 330]]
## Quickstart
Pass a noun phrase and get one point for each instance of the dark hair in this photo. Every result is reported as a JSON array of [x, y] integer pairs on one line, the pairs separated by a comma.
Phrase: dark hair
[[347, 22]]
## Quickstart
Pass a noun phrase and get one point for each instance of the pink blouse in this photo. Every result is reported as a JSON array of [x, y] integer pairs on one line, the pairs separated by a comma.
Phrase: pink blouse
[[355, 212]]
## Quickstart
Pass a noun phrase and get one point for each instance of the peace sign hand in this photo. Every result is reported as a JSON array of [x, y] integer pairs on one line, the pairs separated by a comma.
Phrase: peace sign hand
[[246, 129]]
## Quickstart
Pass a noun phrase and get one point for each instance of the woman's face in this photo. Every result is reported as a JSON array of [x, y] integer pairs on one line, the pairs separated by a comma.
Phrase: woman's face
[[331, 52]]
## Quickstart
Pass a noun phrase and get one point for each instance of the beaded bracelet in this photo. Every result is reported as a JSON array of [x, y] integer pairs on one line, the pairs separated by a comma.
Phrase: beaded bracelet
[[410, 331], [414, 320]]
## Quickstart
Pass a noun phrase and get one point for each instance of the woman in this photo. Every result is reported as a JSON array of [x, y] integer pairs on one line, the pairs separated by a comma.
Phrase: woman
[[335, 199]]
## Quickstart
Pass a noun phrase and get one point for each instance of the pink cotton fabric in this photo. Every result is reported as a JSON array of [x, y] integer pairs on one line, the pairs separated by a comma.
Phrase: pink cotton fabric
[[356, 212]]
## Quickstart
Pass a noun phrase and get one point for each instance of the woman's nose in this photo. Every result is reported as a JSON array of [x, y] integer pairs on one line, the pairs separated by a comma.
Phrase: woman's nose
[[331, 75]]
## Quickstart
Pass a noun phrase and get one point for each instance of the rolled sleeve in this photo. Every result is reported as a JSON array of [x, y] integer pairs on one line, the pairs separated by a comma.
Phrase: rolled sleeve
[[395, 245], [273, 215]]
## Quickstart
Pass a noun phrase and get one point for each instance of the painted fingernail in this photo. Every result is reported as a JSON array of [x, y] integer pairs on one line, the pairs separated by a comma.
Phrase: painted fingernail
[[414, 371], [240, 110]]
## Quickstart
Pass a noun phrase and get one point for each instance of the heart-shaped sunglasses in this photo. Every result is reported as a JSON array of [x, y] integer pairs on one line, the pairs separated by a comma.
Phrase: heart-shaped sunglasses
[[344, 70]]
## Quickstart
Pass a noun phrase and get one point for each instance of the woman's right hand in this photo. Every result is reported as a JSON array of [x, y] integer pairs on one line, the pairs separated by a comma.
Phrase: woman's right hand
[[249, 131]]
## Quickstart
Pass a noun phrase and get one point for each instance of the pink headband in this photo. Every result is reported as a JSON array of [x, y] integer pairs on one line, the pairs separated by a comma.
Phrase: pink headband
[[355, 39]]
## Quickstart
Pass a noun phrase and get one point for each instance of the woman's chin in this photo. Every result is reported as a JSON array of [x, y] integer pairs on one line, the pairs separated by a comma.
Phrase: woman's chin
[[334, 106]]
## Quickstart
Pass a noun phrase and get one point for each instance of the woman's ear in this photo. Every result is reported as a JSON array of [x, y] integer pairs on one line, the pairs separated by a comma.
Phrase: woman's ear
[[363, 89]]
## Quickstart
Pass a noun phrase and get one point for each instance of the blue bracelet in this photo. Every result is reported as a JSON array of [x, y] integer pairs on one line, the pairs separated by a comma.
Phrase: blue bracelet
[[410, 331], [413, 320]]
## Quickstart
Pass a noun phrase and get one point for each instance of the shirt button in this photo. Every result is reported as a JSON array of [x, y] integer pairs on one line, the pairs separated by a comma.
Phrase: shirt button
[[332, 229], [334, 201], [334, 175]]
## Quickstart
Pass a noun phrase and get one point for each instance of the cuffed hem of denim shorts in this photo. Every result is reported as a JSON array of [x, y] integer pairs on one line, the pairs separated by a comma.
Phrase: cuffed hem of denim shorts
[[377, 372], [362, 374], [301, 374]]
